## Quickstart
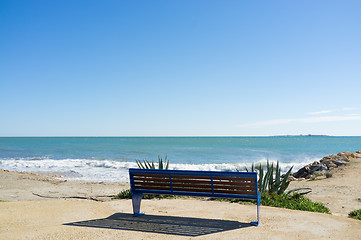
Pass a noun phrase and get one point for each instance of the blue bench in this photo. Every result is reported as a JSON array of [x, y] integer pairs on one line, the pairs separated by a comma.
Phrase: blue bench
[[242, 185]]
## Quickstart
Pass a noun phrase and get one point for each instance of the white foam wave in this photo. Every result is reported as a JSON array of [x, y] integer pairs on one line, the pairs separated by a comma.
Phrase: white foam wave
[[115, 171]]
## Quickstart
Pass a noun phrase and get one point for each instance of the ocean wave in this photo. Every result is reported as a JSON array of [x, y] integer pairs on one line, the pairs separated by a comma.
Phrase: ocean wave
[[115, 171]]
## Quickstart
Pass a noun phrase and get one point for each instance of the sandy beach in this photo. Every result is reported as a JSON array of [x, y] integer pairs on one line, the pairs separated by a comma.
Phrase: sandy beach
[[42, 207]]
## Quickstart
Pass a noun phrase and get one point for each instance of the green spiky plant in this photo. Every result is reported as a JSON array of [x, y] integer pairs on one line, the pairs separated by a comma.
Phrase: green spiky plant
[[356, 214], [147, 165], [271, 181]]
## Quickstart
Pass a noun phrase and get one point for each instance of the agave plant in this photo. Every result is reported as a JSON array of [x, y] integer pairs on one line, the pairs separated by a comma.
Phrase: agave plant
[[271, 180], [300, 191], [147, 165]]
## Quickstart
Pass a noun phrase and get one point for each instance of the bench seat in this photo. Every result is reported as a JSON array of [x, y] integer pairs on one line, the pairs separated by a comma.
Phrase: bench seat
[[215, 184]]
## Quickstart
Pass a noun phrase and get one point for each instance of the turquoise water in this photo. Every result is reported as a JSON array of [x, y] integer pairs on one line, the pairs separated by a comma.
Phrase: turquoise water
[[108, 158]]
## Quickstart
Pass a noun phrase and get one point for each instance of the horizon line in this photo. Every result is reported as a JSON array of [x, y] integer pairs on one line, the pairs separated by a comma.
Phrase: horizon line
[[185, 136]]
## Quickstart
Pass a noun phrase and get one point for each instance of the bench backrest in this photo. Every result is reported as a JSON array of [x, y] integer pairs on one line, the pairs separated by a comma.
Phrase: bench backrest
[[194, 183]]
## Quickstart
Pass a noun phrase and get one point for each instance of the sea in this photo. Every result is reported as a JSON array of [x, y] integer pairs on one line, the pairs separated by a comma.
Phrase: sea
[[104, 159]]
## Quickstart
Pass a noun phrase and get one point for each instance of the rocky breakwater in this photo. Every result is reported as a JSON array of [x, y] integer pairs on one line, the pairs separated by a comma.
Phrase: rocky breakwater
[[326, 164]]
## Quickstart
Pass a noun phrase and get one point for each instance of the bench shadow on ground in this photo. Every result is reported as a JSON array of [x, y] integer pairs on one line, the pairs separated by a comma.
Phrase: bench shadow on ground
[[184, 226]]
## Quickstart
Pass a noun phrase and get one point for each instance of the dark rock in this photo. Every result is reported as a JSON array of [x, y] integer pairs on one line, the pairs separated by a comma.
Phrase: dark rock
[[331, 165], [317, 167], [301, 173], [344, 158], [340, 162]]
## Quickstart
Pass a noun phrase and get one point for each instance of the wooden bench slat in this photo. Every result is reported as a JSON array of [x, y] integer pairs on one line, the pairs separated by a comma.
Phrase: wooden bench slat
[[151, 184], [195, 187], [217, 183], [191, 181], [154, 188], [191, 186], [150, 175], [174, 176], [234, 187], [202, 190], [234, 179], [235, 192], [151, 179]]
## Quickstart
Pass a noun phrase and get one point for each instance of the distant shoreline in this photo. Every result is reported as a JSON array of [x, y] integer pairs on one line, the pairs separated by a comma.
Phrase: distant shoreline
[[226, 136]]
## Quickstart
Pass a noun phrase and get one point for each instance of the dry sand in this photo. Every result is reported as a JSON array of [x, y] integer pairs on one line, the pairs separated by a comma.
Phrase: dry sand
[[341, 193], [83, 210]]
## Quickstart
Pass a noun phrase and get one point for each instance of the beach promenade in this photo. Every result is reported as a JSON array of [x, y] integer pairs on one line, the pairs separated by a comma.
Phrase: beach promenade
[[42, 207]]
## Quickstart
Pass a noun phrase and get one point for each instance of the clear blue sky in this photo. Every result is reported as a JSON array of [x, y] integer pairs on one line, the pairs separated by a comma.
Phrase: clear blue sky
[[175, 68]]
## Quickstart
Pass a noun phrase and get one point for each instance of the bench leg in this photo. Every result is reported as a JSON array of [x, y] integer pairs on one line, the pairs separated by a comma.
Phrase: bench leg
[[256, 223], [136, 199]]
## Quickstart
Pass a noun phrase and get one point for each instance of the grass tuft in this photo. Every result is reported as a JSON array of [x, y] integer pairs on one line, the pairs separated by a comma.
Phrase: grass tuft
[[328, 174], [295, 202], [127, 194], [356, 214]]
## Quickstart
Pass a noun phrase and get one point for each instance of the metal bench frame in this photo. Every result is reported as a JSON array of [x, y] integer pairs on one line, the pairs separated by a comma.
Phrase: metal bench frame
[[214, 176]]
